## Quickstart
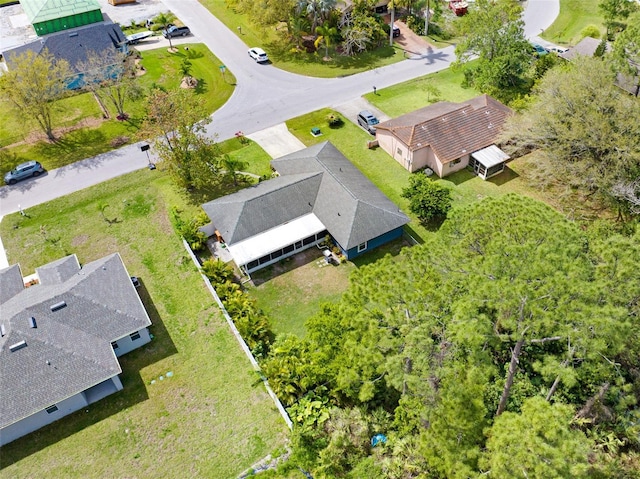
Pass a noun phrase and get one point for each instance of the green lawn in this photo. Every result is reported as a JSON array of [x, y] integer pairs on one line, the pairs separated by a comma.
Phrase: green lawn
[[417, 93], [211, 418], [574, 16], [93, 135]]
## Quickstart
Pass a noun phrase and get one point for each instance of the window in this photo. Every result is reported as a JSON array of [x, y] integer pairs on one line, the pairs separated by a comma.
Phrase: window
[[265, 259], [114, 345], [455, 162], [134, 336], [276, 254], [288, 249], [309, 240], [51, 409], [362, 247], [252, 264], [399, 151], [298, 244]]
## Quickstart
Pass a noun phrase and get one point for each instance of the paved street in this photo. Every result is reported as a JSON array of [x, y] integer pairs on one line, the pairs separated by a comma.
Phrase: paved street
[[264, 97]]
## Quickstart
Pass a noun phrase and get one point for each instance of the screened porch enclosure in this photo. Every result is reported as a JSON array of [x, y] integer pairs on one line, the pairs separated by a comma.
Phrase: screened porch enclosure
[[488, 162]]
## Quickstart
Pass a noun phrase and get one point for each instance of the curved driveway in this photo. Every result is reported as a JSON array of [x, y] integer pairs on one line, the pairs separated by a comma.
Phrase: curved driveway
[[264, 96]]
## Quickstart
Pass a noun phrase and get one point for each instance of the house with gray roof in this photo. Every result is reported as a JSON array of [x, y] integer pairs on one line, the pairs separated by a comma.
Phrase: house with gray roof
[[60, 339], [447, 137], [319, 192], [76, 46]]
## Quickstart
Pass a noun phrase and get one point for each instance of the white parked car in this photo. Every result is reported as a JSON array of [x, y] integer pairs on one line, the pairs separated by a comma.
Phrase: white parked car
[[559, 49], [258, 55]]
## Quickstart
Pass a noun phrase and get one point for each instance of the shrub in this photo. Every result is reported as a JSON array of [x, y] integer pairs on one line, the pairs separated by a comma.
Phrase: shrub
[[217, 271], [590, 31], [427, 199], [334, 120], [189, 230]]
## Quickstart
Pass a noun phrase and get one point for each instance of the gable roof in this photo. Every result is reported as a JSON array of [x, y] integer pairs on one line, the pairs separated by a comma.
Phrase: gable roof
[[586, 47], [318, 180], [69, 350], [73, 45], [451, 130], [42, 10]]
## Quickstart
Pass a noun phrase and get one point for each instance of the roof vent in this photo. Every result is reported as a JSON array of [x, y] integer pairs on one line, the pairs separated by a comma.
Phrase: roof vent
[[2, 330], [57, 306], [32, 322], [15, 347]]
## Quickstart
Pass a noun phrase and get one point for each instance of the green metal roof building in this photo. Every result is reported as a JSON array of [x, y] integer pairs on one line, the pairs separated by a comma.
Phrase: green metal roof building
[[49, 16]]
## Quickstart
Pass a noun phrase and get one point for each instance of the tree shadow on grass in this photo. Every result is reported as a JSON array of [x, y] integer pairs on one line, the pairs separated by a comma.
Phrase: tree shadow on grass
[[79, 144], [134, 392], [201, 87]]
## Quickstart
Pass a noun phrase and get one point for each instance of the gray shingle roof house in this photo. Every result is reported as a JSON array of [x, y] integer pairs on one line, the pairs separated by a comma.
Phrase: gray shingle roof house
[[60, 339], [49, 16], [587, 47], [74, 46], [443, 136], [318, 192]]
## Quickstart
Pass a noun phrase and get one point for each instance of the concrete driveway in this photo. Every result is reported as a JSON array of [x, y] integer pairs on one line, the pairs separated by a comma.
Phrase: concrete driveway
[[350, 110], [277, 140]]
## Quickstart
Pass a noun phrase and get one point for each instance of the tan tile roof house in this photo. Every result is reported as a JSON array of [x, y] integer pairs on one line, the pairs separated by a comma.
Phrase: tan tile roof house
[[60, 340], [442, 136]]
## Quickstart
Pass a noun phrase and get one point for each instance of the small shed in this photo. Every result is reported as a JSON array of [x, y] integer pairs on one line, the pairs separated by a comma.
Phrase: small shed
[[50, 16], [488, 162]]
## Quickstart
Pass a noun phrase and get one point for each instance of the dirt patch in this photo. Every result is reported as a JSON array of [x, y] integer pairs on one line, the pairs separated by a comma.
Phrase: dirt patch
[[79, 240], [37, 135]]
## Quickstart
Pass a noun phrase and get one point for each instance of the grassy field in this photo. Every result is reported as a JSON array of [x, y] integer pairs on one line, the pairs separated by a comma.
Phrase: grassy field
[[574, 16], [92, 134], [211, 418]]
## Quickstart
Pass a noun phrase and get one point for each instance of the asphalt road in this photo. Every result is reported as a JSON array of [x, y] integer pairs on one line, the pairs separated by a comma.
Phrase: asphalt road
[[264, 96]]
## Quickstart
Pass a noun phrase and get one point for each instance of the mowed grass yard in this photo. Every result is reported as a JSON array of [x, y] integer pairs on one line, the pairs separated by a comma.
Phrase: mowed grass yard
[[212, 418], [574, 16], [80, 127]]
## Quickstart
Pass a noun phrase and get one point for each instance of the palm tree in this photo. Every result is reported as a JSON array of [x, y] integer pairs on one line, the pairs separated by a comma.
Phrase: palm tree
[[233, 166], [326, 35], [165, 20]]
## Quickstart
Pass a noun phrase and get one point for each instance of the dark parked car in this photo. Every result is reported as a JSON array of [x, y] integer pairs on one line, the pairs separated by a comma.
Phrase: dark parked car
[[396, 31], [538, 50], [368, 121], [22, 171], [174, 31]]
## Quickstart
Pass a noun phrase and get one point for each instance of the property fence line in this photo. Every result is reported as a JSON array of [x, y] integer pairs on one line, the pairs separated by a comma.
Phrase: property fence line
[[239, 338]]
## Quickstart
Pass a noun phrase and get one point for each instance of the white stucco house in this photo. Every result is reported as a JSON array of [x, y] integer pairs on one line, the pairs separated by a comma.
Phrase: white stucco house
[[60, 339]]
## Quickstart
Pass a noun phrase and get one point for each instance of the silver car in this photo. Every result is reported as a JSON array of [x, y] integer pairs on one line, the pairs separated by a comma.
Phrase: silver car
[[22, 171], [368, 121]]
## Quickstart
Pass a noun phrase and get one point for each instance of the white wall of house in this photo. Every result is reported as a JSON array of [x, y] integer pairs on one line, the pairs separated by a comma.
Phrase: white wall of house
[[128, 343], [41, 419], [456, 165], [395, 148], [64, 408]]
